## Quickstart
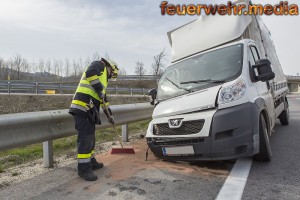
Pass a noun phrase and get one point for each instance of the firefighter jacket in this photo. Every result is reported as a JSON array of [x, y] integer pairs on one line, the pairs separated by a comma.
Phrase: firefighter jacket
[[93, 81]]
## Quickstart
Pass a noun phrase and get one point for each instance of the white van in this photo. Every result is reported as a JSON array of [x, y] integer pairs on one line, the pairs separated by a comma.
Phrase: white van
[[222, 94]]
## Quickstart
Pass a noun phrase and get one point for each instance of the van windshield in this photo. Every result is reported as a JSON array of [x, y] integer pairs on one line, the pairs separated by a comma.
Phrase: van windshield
[[201, 71]]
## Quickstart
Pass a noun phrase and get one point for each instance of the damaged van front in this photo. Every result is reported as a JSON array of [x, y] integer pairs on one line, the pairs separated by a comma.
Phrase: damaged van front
[[221, 96], [188, 123]]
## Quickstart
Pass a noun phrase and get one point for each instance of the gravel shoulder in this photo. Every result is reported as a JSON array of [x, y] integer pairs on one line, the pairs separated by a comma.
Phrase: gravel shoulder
[[34, 168], [15, 103]]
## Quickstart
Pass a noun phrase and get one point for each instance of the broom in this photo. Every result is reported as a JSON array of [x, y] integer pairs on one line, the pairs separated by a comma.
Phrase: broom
[[116, 150]]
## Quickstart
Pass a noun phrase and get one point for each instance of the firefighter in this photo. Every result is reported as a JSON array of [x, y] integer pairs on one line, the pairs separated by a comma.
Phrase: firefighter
[[89, 96]]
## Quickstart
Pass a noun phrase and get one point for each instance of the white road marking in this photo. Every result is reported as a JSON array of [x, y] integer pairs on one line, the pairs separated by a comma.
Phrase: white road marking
[[235, 183]]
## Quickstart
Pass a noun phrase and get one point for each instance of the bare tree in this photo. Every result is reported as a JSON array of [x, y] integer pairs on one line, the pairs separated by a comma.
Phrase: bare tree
[[48, 66], [41, 65], [1, 68], [140, 69], [106, 56], [26, 66], [60, 68], [81, 65], [75, 67], [6, 65], [122, 71], [96, 56], [158, 65], [55, 67], [17, 64], [67, 67]]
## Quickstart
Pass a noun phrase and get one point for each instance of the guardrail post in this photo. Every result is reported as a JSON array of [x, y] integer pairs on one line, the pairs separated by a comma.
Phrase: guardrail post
[[125, 132], [8, 87], [60, 89], [143, 91], [116, 90], [48, 153], [36, 88], [131, 91]]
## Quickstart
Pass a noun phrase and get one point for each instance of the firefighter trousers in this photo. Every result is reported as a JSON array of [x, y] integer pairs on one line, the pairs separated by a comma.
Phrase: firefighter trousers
[[85, 141]]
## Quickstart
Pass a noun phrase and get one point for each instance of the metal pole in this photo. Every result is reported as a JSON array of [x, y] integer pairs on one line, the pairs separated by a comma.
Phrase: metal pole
[[143, 91], [131, 91], [8, 85], [36, 88], [125, 132], [48, 153], [116, 90], [60, 89]]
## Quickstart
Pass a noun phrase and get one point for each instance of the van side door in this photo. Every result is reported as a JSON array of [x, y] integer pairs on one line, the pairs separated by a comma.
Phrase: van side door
[[264, 89]]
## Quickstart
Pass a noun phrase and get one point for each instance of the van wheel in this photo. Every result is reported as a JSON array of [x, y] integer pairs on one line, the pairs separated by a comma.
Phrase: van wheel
[[284, 116], [265, 153]]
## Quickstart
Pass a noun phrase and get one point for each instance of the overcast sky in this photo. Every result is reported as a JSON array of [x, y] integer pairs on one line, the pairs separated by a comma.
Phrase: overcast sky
[[129, 30]]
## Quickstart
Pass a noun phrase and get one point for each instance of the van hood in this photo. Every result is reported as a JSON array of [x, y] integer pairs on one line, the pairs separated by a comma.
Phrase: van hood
[[196, 101]]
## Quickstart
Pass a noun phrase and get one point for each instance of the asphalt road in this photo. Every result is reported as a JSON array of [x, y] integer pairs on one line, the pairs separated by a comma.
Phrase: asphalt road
[[131, 177], [279, 179]]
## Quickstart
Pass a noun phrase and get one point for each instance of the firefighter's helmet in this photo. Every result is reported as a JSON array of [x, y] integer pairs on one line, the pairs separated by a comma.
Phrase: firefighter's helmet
[[114, 67]]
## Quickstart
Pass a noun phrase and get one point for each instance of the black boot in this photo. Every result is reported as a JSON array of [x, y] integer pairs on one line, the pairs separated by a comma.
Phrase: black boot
[[95, 164], [85, 171]]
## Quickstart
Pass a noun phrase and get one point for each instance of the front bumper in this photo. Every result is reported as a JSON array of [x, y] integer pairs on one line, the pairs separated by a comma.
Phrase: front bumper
[[233, 134]]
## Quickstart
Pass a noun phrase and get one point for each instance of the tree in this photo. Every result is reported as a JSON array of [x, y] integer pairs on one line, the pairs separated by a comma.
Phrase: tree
[[158, 65], [140, 69], [17, 65], [41, 65], [1, 68], [122, 71], [67, 67], [48, 66], [96, 56]]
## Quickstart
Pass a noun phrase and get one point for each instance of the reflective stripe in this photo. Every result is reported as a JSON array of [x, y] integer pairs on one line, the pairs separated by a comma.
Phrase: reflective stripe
[[95, 82], [78, 107], [102, 105], [84, 82], [80, 103], [95, 77], [87, 155], [86, 86], [88, 91], [86, 160]]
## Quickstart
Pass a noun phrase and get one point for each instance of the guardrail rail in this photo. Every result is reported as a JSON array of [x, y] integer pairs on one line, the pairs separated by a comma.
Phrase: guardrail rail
[[22, 129]]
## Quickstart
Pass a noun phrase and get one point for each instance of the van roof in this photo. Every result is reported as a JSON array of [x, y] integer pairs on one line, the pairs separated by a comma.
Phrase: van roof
[[206, 32]]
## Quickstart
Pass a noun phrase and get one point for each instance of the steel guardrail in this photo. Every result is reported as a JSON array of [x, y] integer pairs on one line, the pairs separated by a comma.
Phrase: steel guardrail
[[22, 129], [10, 87]]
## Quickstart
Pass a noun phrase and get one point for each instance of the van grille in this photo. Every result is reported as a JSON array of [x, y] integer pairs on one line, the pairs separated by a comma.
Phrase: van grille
[[187, 128]]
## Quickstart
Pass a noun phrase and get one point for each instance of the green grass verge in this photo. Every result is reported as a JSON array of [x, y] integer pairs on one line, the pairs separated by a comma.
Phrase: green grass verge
[[17, 156]]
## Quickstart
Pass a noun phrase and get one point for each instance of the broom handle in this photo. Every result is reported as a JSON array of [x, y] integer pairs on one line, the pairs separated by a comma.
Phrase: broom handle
[[116, 133]]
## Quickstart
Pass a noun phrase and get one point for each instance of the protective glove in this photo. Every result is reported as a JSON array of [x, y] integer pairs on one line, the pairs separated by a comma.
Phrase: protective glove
[[101, 95], [111, 119], [109, 116]]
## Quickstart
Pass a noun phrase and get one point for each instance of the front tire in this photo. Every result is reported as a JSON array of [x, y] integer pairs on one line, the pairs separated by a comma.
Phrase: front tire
[[265, 153], [284, 116]]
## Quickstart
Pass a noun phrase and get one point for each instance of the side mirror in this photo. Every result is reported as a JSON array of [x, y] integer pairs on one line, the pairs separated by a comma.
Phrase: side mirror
[[152, 95], [264, 70]]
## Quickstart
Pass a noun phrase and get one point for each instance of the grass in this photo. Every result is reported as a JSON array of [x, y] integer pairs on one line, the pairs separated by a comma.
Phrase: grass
[[61, 146], [1, 168]]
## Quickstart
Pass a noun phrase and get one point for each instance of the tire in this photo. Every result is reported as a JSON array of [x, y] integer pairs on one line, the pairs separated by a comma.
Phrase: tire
[[265, 153], [284, 117]]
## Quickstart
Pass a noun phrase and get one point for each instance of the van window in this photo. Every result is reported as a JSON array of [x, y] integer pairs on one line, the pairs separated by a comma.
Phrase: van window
[[201, 71]]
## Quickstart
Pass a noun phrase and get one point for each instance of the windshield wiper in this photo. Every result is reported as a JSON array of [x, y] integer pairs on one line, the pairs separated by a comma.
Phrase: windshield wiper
[[204, 80], [179, 86]]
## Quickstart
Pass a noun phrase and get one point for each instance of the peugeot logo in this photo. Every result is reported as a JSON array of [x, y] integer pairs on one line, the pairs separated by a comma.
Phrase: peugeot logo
[[175, 123]]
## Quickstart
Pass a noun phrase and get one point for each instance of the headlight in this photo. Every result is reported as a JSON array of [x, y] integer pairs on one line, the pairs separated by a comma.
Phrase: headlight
[[233, 92]]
